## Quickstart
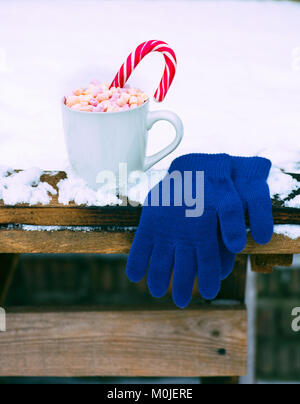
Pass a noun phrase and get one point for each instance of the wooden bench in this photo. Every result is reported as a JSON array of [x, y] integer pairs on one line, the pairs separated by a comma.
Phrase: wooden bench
[[206, 340]]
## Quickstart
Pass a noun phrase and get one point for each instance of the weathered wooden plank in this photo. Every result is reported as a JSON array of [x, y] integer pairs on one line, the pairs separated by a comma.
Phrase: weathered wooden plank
[[265, 263], [55, 214], [286, 215], [279, 245], [196, 342], [66, 241], [97, 242], [125, 216]]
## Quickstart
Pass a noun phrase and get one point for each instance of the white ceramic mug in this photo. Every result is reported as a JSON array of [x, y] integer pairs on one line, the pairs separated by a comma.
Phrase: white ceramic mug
[[99, 142]]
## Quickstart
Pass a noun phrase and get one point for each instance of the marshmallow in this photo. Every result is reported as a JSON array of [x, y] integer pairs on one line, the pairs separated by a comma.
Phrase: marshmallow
[[94, 102], [79, 91], [133, 100], [98, 97], [99, 108]]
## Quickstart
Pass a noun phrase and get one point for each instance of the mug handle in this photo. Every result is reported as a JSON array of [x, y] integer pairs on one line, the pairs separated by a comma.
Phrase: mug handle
[[174, 119]]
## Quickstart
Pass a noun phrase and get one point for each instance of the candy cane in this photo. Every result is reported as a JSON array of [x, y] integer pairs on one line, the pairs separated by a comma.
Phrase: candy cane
[[134, 59]]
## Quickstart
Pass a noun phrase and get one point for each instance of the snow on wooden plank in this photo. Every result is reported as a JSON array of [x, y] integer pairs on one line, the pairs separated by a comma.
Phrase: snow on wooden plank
[[127, 215]]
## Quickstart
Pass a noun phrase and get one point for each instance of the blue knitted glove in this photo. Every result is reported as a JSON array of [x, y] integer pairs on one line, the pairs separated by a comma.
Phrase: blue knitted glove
[[250, 176], [166, 238]]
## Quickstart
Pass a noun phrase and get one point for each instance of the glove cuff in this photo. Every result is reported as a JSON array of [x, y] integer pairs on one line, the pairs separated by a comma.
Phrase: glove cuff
[[251, 167], [214, 165]]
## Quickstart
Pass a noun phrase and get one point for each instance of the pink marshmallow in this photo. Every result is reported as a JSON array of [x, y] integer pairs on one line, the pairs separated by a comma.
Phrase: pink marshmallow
[[94, 102], [99, 108], [97, 97]]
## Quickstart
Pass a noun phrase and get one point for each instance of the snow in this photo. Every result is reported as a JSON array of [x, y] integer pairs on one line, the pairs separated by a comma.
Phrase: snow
[[75, 189], [236, 89], [289, 230], [282, 185], [24, 187], [84, 229], [294, 203]]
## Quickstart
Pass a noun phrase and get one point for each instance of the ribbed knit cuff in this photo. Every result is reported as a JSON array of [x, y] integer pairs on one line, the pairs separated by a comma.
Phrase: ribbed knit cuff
[[214, 165], [251, 167]]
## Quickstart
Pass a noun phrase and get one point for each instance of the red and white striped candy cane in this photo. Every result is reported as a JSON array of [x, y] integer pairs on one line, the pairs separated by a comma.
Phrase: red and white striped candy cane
[[134, 59]]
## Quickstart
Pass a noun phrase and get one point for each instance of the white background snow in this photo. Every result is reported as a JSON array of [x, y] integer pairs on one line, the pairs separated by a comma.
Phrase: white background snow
[[237, 88]]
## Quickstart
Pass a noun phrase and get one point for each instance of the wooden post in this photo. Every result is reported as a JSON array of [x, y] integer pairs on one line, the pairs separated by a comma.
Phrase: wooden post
[[8, 265]]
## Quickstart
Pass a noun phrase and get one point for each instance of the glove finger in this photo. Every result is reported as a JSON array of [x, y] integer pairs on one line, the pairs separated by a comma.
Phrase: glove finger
[[261, 217], [232, 222], [227, 263], [160, 269], [185, 272], [209, 271], [138, 259], [227, 259]]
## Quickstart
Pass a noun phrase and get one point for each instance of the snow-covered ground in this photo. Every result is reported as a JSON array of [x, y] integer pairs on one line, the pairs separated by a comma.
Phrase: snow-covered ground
[[237, 87]]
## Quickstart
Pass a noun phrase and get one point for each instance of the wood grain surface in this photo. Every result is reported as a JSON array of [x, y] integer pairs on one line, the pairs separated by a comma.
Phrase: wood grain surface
[[67, 241], [205, 341]]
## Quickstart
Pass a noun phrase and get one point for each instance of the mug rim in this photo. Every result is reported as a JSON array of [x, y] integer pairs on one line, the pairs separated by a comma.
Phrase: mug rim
[[104, 113]]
